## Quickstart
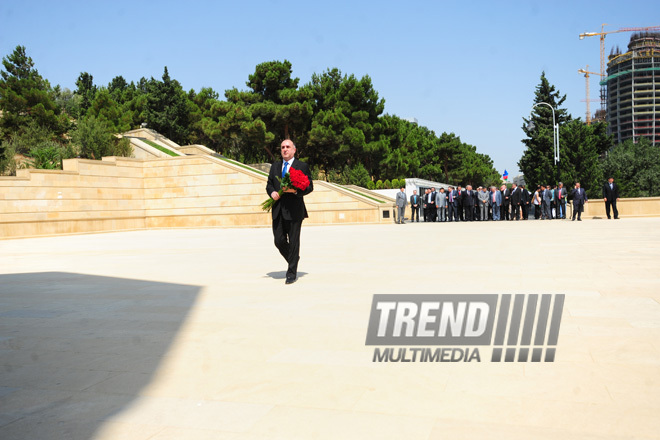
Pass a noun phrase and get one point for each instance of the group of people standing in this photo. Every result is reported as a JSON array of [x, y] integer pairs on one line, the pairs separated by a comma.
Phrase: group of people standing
[[490, 203]]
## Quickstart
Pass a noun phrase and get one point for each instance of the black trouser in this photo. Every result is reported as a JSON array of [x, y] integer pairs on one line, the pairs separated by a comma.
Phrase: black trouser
[[460, 212], [415, 210], [577, 210], [287, 241], [515, 212], [468, 213], [607, 208], [524, 207], [451, 213], [504, 211], [432, 211]]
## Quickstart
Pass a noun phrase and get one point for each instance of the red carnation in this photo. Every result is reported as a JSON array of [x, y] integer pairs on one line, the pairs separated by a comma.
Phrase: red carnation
[[299, 179], [293, 179]]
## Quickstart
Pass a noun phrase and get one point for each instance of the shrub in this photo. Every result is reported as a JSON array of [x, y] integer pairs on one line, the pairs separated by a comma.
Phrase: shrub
[[379, 184], [94, 139], [387, 184], [358, 175], [371, 185]]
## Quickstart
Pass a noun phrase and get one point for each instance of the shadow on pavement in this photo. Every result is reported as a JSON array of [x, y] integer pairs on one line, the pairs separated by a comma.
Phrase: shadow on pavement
[[76, 349]]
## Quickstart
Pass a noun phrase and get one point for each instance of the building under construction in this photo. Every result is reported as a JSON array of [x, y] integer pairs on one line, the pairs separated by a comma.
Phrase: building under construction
[[633, 89]]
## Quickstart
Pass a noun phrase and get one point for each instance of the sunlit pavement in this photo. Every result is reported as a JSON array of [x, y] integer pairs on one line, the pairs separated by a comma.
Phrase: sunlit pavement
[[192, 334]]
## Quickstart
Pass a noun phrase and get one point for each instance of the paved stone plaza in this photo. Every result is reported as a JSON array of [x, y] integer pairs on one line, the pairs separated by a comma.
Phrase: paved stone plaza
[[192, 334]]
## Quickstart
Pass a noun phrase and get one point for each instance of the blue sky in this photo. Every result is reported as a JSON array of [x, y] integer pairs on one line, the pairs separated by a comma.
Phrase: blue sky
[[467, 67]]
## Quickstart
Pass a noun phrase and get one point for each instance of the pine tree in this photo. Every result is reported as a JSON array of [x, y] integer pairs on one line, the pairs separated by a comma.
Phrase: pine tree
[[26, 98], [537, 161]]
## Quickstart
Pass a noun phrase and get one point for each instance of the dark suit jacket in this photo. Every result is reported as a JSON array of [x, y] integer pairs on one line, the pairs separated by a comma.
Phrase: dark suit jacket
[[455, 195], [516, 196], [289, 206], [469, 199], [412, 200], [506, 193], [611, 194], [579, 197]]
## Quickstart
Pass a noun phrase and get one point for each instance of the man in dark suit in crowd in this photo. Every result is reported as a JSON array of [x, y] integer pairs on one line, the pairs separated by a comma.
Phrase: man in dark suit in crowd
[[515, 202], [414, 206], [506, 201], [429, 205], [547, 202], [525, 198], [469, 199], [459, 204], [560, 199], [289, 210], [452, 204], [579, 199], [611, 196]]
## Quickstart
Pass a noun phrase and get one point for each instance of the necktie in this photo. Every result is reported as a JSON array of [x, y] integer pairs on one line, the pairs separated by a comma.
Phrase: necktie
[[286, 164], [559, 194]]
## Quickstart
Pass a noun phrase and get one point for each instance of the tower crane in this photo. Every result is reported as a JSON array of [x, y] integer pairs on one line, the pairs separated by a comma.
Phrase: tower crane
[[586, 76], [602, 34]]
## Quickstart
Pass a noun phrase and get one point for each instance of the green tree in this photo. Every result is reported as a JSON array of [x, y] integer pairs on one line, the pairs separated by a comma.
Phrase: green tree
[[168, 109], [537, 161], [344, 127], [581, 148], [25, 98], [68, 101], [86, 90], [105, 108], [635, 167]]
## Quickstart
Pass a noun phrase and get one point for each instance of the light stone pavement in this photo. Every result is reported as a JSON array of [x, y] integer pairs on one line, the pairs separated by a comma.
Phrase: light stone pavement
[[192, 334]]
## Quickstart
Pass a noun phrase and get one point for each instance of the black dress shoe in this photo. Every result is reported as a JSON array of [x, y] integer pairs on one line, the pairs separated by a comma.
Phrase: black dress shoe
[[290, 280]]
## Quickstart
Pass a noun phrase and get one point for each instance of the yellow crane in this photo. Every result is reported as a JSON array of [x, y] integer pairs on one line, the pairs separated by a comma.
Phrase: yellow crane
[[602, 34], [586, 76]]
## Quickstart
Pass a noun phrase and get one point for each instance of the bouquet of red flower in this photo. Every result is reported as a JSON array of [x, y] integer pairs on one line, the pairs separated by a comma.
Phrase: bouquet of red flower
[[294, 179]]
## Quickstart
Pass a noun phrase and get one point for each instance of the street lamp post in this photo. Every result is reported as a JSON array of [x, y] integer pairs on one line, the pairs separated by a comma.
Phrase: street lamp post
[[555, 133]]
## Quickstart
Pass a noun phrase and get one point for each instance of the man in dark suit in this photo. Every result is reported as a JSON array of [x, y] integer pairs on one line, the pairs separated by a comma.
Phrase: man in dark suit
[[579, 199], [506, 201], [524, 202], [469, 199], [289, 209], [459, 204], [516, 196], [414, 205], [611, 196], [429, 206], [452, 204]]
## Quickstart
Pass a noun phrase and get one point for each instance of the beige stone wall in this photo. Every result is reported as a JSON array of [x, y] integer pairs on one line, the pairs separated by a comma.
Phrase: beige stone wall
[[633, 207], [186, 191]]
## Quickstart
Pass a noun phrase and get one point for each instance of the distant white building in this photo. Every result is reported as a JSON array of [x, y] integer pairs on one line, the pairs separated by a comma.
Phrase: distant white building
[[413, 120], [519, 180], [412, 184]]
